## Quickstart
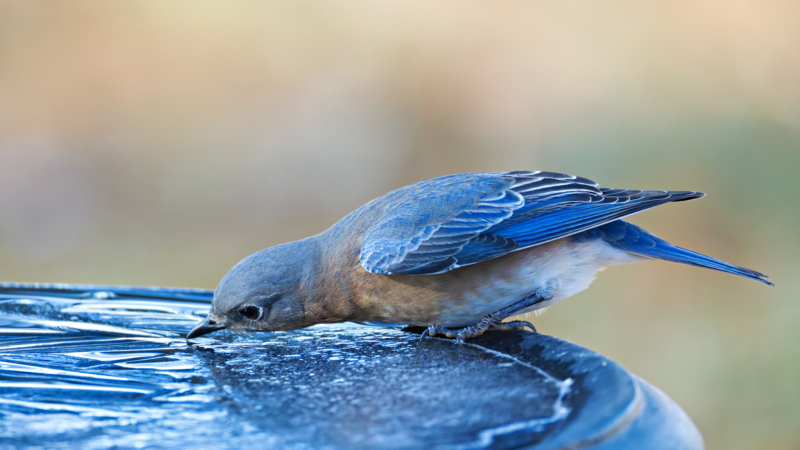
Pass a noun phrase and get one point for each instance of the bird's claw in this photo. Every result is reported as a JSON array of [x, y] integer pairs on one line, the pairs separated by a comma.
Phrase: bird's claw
[[490, 322], [515, 325]]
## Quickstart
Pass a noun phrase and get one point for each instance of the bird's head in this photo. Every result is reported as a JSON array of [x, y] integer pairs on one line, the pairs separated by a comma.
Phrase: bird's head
[[263, 292]]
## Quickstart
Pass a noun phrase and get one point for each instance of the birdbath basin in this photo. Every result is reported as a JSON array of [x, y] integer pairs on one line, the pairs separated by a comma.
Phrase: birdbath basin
[[103, 366]]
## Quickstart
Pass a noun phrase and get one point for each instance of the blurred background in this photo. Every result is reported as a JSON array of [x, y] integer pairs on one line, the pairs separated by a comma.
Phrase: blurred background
[[158, 143]]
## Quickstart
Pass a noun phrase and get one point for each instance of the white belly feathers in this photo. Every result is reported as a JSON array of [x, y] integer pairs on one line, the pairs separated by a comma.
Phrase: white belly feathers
[[557, 270]]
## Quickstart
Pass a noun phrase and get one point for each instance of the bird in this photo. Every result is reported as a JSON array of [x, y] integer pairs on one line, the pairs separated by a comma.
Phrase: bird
[[456, 254]]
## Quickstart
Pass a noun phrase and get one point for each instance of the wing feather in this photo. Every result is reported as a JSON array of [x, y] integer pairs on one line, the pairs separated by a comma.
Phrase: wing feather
[[441, 224]]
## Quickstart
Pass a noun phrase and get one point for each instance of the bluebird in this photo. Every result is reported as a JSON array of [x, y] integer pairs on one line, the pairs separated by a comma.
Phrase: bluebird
[[456, 254]]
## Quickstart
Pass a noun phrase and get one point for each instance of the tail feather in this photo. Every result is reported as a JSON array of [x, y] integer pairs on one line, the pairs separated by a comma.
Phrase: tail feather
[[635, 240]]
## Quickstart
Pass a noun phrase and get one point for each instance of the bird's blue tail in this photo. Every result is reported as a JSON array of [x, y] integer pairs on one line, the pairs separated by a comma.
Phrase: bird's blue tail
[[635, 240]]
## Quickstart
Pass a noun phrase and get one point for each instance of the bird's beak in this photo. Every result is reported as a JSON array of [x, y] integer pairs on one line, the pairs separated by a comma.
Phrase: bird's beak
[[204, 327]]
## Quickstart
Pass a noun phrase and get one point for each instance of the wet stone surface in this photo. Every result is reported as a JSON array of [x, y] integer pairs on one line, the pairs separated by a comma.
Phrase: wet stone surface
[[97, 369]]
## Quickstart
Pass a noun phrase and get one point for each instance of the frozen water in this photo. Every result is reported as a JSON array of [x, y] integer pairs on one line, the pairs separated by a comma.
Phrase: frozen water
[[100, 367]]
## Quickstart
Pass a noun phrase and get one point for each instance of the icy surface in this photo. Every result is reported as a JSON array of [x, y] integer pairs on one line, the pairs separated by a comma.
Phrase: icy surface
[[97, 369]]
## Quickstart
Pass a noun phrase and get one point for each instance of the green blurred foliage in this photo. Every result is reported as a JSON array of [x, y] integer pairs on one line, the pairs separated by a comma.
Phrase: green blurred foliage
[[157, 143]]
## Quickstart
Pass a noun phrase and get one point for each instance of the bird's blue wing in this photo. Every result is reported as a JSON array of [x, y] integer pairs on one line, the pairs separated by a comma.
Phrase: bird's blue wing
[[430, 222], [614, 204], [444, 223]]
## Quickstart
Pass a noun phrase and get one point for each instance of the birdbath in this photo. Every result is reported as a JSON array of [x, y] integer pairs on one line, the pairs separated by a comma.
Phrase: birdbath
[[102, 366]]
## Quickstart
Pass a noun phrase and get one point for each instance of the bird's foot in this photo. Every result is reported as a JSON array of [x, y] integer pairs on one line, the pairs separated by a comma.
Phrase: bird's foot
[[493, 321]]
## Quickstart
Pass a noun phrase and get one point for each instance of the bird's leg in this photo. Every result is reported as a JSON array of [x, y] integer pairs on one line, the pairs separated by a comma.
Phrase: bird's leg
[[493, 321]]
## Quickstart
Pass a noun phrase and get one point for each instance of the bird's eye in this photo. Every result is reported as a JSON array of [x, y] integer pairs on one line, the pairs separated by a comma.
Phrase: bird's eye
[[251, 312]]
